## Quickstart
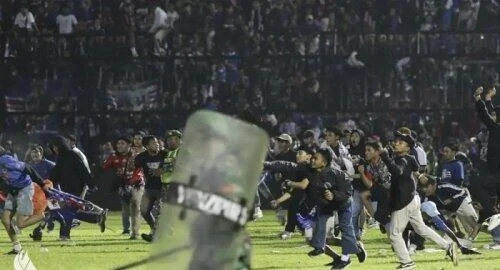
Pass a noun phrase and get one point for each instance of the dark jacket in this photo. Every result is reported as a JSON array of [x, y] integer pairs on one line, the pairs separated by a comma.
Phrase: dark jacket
[[299, 172], [493, 155], [70, 172], [279, 177], [288, 167], [340, 187], [403, 186]]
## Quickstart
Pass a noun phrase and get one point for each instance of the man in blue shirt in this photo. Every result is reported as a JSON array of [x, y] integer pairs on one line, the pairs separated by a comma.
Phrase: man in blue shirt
[[455, 200], [453, 169], [40, 164], [19, 178]]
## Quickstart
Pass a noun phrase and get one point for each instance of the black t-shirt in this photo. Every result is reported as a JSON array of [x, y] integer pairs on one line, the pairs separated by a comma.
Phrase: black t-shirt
[[148, 163]]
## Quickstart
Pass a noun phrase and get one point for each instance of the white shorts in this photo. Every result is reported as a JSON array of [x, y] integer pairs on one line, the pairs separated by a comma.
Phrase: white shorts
[[22, 203]]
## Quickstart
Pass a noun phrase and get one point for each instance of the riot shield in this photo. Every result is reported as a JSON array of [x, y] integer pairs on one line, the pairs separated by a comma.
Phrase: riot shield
[[207, 203]]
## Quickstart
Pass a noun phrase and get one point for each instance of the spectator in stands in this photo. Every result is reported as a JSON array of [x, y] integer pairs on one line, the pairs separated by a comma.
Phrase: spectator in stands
[[66, 22], [159, 29], [128, 24], [255, 23], [172, 16], [25, 21]]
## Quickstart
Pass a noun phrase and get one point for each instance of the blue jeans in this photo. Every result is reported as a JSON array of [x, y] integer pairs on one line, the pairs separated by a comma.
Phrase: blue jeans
[[495, 233], [319, 232], [348, 241], [357, 207]]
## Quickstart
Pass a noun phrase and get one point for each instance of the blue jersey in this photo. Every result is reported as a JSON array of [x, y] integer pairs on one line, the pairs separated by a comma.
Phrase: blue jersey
[[43, 168], [453, 173], [14, 173]]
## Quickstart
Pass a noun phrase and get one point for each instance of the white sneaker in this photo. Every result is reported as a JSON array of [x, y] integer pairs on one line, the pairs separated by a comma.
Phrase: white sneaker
[[406, 266], [286, 235], [372, 223], [494, 222], [258, 213], [492, 246]]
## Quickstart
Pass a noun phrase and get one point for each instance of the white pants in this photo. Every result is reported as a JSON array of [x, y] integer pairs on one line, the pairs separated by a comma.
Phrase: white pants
[[399, 220]]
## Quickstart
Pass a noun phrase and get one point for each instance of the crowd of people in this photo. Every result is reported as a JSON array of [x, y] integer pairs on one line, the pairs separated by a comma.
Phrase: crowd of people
[[225, 61], [139, 170], [218, 27], [348, 170], [102, 69], [351, 175]]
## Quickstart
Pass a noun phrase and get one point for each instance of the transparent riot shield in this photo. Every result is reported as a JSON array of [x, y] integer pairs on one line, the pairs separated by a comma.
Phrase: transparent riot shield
[[206, 206]]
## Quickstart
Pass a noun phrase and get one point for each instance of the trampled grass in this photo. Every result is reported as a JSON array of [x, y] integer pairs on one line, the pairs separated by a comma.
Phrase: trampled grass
[[94, 250]]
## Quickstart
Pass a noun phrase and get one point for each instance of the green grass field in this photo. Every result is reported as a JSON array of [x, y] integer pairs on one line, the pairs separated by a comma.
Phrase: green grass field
[[94, 250]]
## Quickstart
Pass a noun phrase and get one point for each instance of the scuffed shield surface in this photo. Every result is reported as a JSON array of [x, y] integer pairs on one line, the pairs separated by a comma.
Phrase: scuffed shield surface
[[214, 184]]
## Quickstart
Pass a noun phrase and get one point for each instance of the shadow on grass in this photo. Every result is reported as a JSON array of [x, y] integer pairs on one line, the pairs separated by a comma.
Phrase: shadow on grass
[[269, 267], [95, 244], [111, 252]]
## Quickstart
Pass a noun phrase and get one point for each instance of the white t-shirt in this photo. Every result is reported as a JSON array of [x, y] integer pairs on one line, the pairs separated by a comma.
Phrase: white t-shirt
[[25, 21], [66, 23], [160, 20]]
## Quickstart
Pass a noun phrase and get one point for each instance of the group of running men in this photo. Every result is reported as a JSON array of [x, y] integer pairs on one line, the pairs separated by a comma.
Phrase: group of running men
[[324, 180]]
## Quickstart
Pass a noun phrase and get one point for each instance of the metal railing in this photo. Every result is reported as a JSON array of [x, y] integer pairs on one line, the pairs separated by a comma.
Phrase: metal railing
[[280, 45]]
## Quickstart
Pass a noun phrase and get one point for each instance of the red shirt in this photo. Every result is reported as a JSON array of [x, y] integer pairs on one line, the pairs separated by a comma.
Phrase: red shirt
[[125, 169]]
